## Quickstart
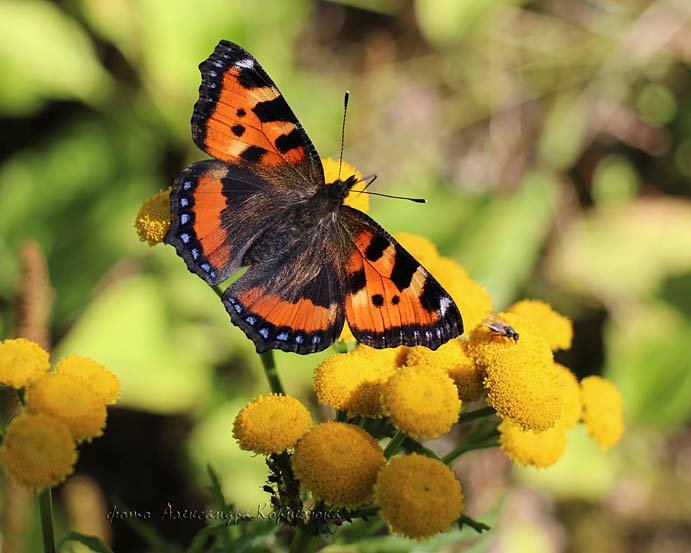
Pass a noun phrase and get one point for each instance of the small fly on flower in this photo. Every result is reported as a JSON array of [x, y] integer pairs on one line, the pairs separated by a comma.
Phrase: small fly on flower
[[501, 329]]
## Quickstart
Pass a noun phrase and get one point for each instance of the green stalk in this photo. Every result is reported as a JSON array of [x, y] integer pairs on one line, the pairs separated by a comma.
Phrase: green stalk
[[477, 414], [465, 448], [271, 372], [300, 541], [395, 444], [45, 505]]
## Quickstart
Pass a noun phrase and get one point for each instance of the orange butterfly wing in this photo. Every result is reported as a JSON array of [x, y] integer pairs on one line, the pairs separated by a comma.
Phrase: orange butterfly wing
[[392, 300], [242, 118]]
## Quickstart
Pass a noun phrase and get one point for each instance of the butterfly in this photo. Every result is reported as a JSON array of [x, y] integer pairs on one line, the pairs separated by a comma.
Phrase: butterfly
[[263, 203]]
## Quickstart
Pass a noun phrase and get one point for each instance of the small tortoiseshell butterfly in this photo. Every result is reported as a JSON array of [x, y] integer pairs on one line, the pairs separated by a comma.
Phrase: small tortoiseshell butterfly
[[263, 202]]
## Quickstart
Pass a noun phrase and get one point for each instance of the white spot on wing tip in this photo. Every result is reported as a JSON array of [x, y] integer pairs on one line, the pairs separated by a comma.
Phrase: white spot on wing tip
[[444, 305], [247, 64]]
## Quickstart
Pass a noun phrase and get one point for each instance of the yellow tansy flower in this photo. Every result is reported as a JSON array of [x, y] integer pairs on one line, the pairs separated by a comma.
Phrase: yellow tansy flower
[[602, 410], [353, 199], [473, 301], [525, 447], [153, 219], [452, 359], [418, 496], [338, 463], [22, 362], [38, 450], [72, 401], [557, 329], [353, 382], [420, 248], [271, 424], [422, 401], [96, 376], [346, 334], [572, 407], [521, 381]]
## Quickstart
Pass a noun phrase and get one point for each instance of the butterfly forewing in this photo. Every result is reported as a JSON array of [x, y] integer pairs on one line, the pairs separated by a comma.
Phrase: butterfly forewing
[[242, 118], [391, 300]]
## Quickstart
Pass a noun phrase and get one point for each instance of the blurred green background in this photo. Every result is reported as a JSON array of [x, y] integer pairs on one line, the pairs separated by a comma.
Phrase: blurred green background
[[552, 139]]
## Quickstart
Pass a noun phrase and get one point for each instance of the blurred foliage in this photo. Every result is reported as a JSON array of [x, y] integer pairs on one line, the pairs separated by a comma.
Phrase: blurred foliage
[[551, 138]]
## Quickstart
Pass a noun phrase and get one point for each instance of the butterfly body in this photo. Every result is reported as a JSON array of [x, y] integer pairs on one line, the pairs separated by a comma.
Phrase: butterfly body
[[263, 202]]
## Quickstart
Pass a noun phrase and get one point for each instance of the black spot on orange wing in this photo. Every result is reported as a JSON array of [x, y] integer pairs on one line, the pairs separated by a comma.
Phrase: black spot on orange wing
[[403, 271], [253, 154], [377, 300], [376, 248], [356, 281], [287, 142], [238, 130]]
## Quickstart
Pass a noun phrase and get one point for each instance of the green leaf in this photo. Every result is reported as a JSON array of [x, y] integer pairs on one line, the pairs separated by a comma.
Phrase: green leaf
[[45, 54], [500, 247], [92, 542]]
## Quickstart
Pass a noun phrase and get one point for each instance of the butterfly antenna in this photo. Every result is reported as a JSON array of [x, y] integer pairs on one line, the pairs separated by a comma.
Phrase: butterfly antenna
[[416, 200], [345, 112]]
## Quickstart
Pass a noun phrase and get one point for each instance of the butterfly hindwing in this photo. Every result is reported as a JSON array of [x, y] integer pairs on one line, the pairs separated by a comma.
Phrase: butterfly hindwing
[[391, 300], [217, 211], [242, 118], [294, 303]]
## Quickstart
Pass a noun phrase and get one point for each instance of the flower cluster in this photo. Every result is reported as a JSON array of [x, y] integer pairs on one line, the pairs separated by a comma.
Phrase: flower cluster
[[60, 409], [405, 395]]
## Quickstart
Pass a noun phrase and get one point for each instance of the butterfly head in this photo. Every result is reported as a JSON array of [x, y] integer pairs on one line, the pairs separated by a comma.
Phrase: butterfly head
[[338, 190]]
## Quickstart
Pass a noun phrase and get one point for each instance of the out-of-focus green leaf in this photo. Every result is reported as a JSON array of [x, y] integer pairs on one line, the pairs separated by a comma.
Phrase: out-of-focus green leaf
[[499, 247], [241, 473], [615, 180], [566, 478], [166, 41], [656, 104], [446, 22], [45, 54], [562, 139], [92, 542], [624, 252], [648, 359], [127, 329]]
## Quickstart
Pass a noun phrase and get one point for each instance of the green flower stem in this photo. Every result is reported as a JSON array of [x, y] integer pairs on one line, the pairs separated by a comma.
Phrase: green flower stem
[[218, 291], [341, 416], [271, 372], [416, 447], [477, 414], [45, 505], [490, 441], [301, 540], [476, 525], [395, 444]]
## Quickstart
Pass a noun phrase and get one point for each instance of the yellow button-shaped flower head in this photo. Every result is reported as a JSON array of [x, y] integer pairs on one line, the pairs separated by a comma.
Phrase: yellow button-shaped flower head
[[452, 359], [571, 392], [353, 382], [353, 199], [473, 301], [153, 219], [420, 248], [38, 450], [22, 362], [271, 424], [521, 381], [338, 463], [418, 496], [602, 410], [422, 401], [557, 329], [72, 401], [538, 449], [103, 382]]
